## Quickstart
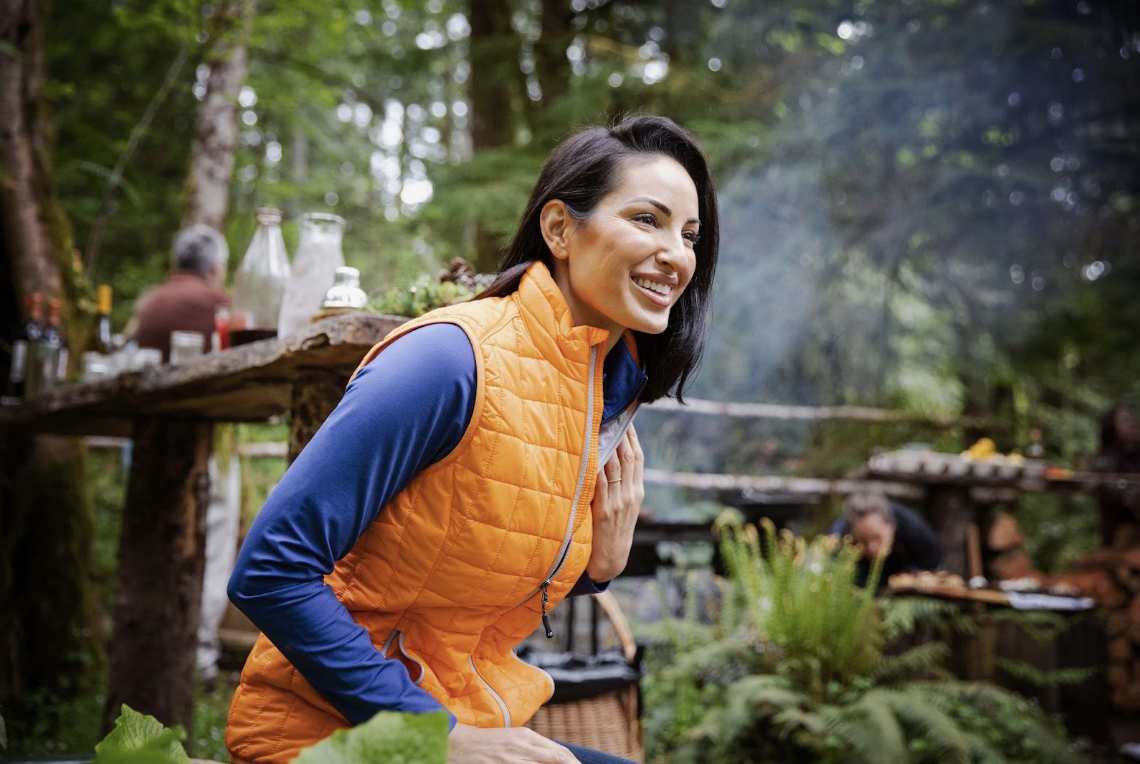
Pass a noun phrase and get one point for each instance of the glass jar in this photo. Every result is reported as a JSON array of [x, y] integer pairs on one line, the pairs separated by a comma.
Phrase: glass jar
[[186, 346], [259, 284], [315, 264], [345, 295]]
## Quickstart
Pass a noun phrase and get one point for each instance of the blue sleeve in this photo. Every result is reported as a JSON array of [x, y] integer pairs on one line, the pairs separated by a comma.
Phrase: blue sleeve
[[405, 410], [586, 585]]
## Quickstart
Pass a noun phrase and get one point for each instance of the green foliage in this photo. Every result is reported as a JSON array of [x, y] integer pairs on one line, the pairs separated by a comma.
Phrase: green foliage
[[424, 294], [386, 738], [793, 669], [141, 739], [785, 580]]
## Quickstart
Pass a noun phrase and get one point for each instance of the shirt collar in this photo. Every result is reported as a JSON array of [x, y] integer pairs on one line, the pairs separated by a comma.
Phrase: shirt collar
[[622, 379]]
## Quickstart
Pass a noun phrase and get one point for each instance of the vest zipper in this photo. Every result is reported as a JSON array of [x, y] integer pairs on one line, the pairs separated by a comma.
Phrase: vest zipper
[[564, 552], [490, 689]]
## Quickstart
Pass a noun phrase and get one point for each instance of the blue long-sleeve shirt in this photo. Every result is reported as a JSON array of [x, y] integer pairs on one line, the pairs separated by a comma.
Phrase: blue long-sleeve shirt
[[404, 411]]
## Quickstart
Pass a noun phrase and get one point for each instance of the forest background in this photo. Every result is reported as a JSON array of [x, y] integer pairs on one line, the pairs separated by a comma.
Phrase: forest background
[[927, 205]]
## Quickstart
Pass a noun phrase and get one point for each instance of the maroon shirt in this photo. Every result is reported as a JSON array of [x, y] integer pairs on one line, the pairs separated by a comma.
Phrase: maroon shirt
[[185, 301]]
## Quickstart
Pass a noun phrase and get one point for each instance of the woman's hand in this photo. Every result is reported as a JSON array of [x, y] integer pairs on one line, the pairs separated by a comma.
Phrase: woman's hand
[[514, 745], [615, 507]]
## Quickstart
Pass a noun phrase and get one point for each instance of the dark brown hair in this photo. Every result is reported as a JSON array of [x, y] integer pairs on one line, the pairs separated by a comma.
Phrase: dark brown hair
[[582, 170]]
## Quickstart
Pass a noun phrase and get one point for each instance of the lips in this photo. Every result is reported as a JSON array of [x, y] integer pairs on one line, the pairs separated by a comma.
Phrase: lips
[[657, 289]]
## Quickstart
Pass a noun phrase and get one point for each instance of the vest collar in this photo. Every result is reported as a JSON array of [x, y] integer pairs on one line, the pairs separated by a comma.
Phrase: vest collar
[[547, 317]]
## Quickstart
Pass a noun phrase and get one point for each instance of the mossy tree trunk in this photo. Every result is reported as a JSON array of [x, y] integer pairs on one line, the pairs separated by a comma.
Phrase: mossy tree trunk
[[48, 638]]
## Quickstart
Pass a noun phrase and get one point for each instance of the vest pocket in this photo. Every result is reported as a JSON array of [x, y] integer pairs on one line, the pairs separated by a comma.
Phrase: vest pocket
[[498, 698], [414, 665]]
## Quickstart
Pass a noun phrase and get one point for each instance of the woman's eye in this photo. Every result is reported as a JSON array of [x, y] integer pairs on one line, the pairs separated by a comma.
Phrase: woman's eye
[[646, 218], [692, 237]]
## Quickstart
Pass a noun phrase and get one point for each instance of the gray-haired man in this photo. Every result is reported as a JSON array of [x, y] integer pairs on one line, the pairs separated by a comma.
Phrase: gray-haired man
[[190, 295]]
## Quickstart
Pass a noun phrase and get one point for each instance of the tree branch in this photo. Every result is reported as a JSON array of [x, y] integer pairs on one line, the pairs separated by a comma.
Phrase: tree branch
[[91, 254]]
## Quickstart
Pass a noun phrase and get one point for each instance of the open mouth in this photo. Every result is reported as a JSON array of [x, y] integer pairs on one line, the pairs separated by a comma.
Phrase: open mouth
[[656, 292]]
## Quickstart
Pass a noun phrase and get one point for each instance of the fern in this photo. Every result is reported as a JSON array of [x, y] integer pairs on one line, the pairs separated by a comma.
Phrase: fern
[[1040, 625], [922, 659], [1038, 678], [792, 669]]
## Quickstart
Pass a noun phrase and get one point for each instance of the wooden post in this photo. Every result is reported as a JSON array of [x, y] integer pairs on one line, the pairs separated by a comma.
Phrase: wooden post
[[161, 558], [316, 392], [951, 513]]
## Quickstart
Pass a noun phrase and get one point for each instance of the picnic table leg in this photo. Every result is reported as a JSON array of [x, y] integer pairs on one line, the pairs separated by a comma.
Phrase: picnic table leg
[[161, 557], [316, 392]]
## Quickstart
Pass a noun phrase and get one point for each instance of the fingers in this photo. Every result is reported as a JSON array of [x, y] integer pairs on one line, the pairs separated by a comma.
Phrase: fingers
[[547, 751], [613, 469], [638, 456]]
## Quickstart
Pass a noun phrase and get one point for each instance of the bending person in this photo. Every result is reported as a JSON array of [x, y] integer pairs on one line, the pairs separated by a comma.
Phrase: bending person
[[482, 466], [880, 526]]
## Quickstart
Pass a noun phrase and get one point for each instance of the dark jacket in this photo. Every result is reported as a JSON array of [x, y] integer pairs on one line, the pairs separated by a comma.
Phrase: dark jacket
[[185, 301], [916, 546]]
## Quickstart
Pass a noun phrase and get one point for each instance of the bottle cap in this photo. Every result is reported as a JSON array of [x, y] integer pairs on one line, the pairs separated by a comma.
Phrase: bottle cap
[[103, 299]]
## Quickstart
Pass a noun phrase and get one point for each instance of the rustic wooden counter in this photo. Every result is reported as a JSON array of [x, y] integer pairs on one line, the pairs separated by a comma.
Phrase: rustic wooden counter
[[169, 412]]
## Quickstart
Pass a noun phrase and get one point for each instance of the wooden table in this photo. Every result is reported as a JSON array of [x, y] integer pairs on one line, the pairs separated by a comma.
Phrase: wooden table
[[169, 411], [958, 494]]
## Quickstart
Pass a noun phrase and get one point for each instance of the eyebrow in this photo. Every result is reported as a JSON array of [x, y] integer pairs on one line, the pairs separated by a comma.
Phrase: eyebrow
[[661, 207]]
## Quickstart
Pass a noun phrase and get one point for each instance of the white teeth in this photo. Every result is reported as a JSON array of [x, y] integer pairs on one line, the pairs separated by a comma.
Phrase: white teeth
[[653, 286]]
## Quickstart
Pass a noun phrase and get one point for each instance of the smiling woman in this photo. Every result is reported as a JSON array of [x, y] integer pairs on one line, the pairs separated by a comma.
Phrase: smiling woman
[[481, 467]]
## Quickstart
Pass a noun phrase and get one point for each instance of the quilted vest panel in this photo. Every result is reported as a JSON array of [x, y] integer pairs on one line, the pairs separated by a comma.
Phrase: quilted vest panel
[[451, 574]]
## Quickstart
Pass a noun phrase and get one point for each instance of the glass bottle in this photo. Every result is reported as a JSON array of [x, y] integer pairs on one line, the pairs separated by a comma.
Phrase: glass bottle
[[104, 341], [51, 353], [315, 265], [259, 283], [22, 374]]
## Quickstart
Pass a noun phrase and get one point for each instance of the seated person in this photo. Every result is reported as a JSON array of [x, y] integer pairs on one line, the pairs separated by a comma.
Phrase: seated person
[[880, 526]]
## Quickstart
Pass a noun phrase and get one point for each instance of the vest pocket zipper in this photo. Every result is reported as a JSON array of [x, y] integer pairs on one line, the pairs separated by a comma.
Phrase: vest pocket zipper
[[397, 636], [490, 689]]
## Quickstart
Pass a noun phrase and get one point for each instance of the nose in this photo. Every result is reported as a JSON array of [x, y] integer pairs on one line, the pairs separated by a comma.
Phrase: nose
[[673, 252]]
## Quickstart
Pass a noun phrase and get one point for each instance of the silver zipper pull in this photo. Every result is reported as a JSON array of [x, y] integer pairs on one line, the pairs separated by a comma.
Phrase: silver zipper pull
[[545, 619]]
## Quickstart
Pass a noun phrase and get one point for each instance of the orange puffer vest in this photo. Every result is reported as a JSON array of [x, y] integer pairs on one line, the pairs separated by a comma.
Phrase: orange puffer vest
[[454, 571]]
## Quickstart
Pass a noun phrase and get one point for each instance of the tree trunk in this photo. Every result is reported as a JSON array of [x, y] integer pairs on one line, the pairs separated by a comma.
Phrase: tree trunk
[[215, 132], [161, 557], [492, 74], [23, 151], [550, 58], [47, 633]]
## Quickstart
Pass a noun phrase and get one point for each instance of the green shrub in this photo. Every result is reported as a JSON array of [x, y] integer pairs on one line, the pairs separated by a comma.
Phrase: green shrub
[[793, 670]]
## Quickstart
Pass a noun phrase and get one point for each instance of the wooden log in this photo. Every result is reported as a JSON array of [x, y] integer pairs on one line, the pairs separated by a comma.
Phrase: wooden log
[[1119, 674], [1116, 623], [161, 559], [779, 484], [1004, 533], [316, 392], [1119, 649]]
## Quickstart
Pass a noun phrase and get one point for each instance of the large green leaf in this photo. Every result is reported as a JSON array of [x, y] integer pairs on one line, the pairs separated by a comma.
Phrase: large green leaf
[[140, 739], [387, 738]]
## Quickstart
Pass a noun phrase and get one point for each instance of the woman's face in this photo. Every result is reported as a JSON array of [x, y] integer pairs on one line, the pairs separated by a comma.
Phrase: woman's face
[[627, 264]]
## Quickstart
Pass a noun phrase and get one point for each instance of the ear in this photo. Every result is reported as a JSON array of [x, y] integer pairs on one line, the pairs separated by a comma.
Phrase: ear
[[556, 225]]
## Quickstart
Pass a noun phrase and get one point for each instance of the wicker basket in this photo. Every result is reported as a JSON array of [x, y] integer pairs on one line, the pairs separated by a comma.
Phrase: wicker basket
[[608, 722]]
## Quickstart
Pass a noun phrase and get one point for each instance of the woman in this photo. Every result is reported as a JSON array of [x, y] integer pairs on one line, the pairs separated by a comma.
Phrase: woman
[[481, 467]]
